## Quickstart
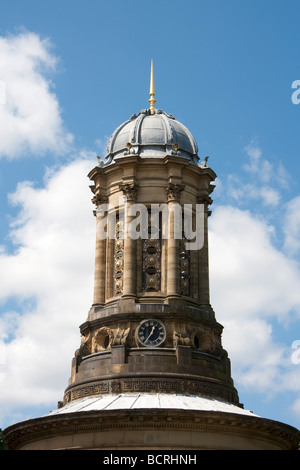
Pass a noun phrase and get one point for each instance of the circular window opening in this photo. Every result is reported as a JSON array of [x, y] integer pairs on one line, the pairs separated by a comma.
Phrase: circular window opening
[[106, 342], [151, 250]]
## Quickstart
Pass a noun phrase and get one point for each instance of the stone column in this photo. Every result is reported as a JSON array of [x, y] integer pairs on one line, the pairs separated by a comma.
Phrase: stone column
[[130, 259], [203, 292], [109, 268], [100, 257], [173, 197]]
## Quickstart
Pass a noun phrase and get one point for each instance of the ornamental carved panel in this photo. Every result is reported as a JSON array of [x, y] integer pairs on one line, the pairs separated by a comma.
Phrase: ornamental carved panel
[[184, 265], [118, 259], [152, 259], [102, 339]]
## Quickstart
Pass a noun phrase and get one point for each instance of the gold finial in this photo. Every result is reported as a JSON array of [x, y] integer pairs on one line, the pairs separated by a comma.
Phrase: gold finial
[[152, 100]]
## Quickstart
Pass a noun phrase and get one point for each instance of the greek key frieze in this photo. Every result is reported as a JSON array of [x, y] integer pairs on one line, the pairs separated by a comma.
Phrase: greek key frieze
[[194, 387]]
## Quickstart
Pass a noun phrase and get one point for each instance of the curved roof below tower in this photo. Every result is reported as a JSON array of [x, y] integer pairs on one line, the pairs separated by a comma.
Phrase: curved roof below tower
[[135, 401], [141, 421]]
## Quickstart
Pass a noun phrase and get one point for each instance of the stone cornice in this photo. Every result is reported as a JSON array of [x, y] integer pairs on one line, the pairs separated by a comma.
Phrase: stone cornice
[[271, 433]]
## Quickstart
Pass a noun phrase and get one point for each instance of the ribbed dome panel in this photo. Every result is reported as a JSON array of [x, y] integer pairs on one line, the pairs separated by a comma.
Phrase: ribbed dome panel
[[152, 135]]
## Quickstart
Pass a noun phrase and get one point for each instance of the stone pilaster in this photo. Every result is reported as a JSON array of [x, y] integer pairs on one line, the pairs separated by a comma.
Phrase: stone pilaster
[[100, 255], [203, 263], [173, 198], [130, 256]]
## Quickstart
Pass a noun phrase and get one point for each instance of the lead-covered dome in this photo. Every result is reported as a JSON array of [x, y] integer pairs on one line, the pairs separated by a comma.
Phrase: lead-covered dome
[[152, 134]]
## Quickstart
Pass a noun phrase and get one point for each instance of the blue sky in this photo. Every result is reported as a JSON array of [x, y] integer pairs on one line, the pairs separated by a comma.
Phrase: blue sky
[[72, 72]]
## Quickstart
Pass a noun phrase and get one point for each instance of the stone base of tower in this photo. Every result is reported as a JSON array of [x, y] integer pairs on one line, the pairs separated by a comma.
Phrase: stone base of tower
[[91, 424]]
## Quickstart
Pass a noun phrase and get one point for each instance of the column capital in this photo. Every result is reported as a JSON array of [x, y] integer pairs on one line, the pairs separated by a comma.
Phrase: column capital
[[100, 198], [129, 190], [174, 191], [204, 199]]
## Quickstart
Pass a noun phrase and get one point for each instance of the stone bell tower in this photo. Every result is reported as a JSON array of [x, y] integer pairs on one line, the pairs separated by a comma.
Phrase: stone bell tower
[[151, 327], [151, 371]]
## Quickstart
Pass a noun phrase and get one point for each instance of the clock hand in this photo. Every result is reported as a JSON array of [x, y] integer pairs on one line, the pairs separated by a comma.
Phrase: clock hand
[[153, 328]]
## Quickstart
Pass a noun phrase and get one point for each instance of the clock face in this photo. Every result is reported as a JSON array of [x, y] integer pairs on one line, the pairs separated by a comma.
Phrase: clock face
[[151, 333]]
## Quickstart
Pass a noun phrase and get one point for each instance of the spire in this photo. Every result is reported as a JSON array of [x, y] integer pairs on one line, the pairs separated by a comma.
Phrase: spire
[[152, 100]]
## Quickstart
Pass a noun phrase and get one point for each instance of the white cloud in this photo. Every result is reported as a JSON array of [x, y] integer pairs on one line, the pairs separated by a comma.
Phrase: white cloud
[[263, 181], [258, 361], [291, 226], [256, 165], [253, 285], [50, 280], [243, 192], [251, 275], [255, 277], [29, 110], [270, 196]]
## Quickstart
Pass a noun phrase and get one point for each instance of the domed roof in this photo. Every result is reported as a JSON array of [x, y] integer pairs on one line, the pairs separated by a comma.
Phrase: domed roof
[[152, 133]]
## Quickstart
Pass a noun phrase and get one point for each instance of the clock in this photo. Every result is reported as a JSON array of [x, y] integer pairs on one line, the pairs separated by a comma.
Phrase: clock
[[151, 333]]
